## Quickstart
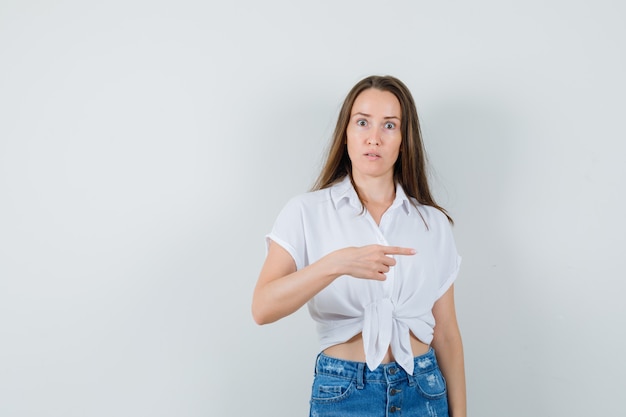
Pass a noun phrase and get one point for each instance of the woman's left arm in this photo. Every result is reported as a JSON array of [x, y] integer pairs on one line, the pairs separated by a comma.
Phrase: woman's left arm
[[449, 350]]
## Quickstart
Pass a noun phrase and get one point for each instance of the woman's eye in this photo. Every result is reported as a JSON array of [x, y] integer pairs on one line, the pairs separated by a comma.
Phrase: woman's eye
[[361, 122], [390, 125]]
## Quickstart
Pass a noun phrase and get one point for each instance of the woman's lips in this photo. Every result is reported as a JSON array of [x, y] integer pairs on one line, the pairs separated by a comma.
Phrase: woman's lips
[[372, 156]]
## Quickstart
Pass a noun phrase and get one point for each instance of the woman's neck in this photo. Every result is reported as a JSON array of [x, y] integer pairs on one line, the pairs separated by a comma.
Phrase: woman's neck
[[376, 190]]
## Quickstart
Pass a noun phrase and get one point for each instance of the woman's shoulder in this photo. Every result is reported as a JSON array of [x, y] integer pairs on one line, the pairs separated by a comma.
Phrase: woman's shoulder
[[432, 212], [433, 216]]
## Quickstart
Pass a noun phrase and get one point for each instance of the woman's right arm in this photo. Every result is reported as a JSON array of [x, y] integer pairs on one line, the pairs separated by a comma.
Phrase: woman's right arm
[[281, 289]]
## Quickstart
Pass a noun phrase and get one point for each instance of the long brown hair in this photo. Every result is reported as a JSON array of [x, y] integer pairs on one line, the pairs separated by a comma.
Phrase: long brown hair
[[410, 170]]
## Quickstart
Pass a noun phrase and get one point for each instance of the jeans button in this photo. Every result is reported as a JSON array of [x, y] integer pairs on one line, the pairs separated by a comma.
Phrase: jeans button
[[393, 409], [393, 371], [393, 391]]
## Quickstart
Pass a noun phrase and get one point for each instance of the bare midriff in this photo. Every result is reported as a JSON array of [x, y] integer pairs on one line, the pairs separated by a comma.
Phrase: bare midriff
[[352, 350]]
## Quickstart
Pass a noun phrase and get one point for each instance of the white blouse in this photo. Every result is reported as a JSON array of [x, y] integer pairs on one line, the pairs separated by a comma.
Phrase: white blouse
[[317, 223]]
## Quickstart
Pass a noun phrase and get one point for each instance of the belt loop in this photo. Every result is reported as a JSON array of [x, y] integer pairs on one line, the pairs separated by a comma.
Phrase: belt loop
[[412, 378], [359, 375], [317, 364]]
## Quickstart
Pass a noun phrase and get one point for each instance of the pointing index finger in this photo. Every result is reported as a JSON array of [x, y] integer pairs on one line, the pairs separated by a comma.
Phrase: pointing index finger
[[397, 250]]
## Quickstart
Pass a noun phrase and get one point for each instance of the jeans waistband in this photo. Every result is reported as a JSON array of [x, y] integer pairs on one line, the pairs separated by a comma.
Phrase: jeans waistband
[[387, 372]]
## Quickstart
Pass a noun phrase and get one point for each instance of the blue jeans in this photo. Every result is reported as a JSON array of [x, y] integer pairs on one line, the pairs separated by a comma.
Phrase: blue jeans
[[344, 388]]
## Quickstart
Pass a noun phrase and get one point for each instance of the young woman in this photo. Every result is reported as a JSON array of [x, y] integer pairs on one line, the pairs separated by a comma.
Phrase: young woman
[[373, 255]]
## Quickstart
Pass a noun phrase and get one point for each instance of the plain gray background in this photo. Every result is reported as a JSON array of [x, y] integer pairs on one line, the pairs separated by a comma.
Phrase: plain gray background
[[146, 148]]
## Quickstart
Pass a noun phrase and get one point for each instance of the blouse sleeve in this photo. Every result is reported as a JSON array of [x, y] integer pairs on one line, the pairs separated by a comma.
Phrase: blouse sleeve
[[450, 259], [288, 232]]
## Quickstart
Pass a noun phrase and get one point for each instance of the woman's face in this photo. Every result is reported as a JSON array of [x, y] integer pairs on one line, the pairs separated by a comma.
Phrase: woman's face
[[373, 134]]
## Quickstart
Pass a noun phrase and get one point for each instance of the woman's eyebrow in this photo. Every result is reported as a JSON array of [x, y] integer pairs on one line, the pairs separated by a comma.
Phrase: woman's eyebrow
[[369, 115]]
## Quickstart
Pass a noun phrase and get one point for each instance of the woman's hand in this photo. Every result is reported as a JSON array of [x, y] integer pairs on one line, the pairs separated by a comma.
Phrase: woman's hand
[[281, 289], [367, 262]]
